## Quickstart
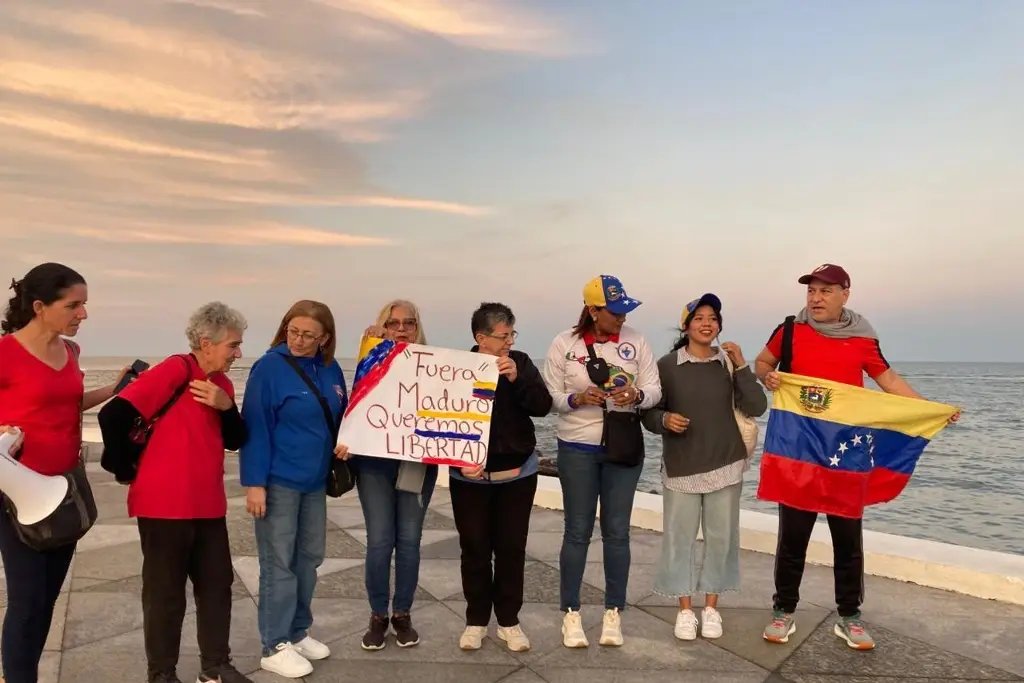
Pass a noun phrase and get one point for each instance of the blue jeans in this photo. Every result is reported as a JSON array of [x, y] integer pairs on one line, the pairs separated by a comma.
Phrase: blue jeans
[[291, 539], [394, 525], [585, 479]]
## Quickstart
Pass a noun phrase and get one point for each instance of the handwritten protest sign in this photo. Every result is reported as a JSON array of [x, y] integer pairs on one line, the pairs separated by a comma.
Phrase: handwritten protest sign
[[420, 403]]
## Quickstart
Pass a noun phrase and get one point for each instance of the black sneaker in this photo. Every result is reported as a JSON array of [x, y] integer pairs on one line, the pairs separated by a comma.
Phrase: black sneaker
[[376, 636], [164, 678], [404, 632], [225, 673]]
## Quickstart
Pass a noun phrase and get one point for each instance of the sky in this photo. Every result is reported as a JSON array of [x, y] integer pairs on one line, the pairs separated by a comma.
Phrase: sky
[[458, 151]]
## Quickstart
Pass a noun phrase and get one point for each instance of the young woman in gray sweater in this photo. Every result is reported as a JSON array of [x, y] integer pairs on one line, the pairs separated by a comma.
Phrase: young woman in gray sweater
[[703, 461]]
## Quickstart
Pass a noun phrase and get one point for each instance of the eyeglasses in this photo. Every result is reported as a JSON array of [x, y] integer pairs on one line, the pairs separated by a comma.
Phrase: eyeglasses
[[408, 323], [304, 336], [505, 338]]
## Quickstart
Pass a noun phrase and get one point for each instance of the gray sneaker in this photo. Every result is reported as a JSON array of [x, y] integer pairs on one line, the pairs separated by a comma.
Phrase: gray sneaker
[[781, 628], [851, 629]]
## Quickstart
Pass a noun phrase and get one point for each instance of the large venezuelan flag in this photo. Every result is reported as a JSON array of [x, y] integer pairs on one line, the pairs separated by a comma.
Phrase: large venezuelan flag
[[835, 448]]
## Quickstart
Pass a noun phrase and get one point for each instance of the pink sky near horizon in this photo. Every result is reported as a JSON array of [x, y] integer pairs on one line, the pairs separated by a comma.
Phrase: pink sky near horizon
[[453, 152]]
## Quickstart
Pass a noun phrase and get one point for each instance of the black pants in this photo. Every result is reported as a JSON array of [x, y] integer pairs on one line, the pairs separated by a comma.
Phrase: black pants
[[795, 528], [34, 580], [173, 550], [493, 521]]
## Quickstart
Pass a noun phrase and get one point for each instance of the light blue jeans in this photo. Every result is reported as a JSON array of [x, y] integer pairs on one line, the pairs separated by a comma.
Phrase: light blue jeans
[[394, 525], [587, 479], [291, 540], [681, 572]]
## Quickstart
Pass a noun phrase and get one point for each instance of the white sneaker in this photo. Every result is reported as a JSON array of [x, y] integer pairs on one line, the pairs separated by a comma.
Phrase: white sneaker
[[572, 630], [286, 662], [611, 629], [686, 625], [711, 623], [473, 637], [311, 648], [514, 638]]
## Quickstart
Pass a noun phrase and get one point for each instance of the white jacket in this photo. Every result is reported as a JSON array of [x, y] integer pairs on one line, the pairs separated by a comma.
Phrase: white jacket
[[565, 373]]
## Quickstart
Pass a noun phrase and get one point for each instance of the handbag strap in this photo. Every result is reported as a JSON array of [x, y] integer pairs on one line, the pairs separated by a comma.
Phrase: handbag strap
[[332, 425], [177, 392], [75, 350]]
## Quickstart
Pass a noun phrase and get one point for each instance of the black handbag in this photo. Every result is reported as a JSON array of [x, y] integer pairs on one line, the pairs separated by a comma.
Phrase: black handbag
[[75, 515], [124, 463], [340, 478], [622, 435]]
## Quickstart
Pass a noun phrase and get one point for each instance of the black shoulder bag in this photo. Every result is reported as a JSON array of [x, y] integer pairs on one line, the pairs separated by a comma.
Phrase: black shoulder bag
[[786, 362], [340, 479], [124, 465], [622, 436]]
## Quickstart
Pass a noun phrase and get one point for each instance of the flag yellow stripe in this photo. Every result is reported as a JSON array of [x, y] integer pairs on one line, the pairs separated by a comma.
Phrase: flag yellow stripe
[[858, 406], [367, 345], [484, 385], [441, 415]]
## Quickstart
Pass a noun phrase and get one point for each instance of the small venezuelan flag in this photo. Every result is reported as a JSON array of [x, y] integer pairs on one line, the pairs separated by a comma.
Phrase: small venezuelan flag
[[484, 390], [835, 448]]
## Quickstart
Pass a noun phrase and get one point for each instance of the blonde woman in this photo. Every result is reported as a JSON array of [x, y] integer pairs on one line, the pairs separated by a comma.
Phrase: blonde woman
[[394, 496]]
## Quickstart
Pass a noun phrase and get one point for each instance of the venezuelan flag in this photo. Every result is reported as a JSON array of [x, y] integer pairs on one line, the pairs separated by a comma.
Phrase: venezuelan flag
[[375, 359], [835, 448]]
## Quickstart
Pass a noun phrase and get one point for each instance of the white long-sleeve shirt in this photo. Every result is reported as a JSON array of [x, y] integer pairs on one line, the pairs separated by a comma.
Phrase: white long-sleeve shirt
[[630, 361]]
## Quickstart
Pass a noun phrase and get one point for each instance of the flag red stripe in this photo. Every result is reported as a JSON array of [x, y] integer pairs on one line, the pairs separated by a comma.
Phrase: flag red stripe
[[884, 485], [806, 486]]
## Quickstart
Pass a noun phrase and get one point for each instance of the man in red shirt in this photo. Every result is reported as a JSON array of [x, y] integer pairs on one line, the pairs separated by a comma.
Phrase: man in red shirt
[[830, 342]]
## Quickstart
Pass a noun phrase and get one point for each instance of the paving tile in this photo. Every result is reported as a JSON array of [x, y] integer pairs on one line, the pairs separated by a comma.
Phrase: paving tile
[[541, 583], [742, 632], [439, 628], [923, 635], [337, 671], [351, 584], [895, 656], [648, 645]]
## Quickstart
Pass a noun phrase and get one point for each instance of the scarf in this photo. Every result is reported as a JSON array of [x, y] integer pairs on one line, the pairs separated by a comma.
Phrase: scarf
[[850, 324]]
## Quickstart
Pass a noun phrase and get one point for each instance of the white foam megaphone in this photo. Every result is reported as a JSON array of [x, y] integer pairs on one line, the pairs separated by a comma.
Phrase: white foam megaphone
[[34, 496]]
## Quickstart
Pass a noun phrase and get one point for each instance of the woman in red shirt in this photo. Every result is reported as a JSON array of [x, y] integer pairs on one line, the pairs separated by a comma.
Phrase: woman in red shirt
[[177, 490], [42, 393]]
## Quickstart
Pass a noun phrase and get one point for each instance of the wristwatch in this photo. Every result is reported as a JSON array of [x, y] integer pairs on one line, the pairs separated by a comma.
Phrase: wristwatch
[[639, 397]]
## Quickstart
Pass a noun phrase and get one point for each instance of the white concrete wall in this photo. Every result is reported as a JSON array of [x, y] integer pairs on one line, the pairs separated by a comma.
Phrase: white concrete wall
[[970, 571]]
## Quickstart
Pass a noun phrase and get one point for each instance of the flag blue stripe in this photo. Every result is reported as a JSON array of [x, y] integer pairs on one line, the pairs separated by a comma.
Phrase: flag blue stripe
[[817, 441]]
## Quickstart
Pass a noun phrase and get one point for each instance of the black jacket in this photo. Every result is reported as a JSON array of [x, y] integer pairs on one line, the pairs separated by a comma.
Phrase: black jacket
[[513, 437]]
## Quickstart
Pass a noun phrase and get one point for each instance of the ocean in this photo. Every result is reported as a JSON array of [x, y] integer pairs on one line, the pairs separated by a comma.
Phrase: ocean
[[968, 488]]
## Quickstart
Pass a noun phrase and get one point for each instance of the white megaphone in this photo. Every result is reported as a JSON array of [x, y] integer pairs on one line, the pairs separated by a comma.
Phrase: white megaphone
[[35, 496]]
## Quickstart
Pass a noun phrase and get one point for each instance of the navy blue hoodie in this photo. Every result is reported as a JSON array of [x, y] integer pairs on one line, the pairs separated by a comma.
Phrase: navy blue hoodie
[[290, 443]]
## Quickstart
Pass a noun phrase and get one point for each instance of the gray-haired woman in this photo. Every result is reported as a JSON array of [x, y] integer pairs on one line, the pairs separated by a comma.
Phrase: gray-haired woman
[[177, 489]]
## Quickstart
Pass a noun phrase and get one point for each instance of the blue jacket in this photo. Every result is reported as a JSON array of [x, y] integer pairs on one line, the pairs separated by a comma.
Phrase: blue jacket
[[289, 442]]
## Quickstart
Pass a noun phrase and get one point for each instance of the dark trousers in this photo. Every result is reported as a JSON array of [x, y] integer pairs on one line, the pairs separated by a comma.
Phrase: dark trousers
[[34, 580], [174, 550], [795, 528], [493, 521]]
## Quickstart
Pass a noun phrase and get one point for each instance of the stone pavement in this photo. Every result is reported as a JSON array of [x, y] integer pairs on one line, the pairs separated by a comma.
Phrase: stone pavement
[[923, 634]]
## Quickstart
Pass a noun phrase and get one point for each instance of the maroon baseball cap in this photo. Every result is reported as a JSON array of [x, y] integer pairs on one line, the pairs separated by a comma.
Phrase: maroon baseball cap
[[830, 273]]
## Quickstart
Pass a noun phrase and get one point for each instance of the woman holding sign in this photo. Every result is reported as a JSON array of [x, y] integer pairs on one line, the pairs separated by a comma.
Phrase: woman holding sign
[[492, 504], [394, 496], [294, 399], [600, 374]]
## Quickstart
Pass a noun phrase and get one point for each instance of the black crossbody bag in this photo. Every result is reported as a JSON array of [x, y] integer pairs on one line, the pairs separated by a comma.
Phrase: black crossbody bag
[[340, 479], [622, 435]]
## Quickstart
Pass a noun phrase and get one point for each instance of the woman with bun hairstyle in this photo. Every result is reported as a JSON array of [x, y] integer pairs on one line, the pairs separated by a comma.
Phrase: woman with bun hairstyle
[[42, 396]]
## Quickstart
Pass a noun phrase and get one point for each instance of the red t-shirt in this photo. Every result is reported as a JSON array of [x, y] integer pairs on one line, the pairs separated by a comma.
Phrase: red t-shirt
[[45, 403], [181, 473], [838, 360]]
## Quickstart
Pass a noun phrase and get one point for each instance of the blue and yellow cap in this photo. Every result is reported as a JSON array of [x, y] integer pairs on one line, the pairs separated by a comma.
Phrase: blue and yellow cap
[[707, 299], [607, 292]]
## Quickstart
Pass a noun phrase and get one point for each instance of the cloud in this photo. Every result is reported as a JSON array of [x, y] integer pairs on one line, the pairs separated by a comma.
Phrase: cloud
[[225, 122]]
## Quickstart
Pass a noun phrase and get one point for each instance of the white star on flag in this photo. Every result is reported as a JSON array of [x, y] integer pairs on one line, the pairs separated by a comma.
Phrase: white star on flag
[[842, 447], [856, 439], [834, 461]]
